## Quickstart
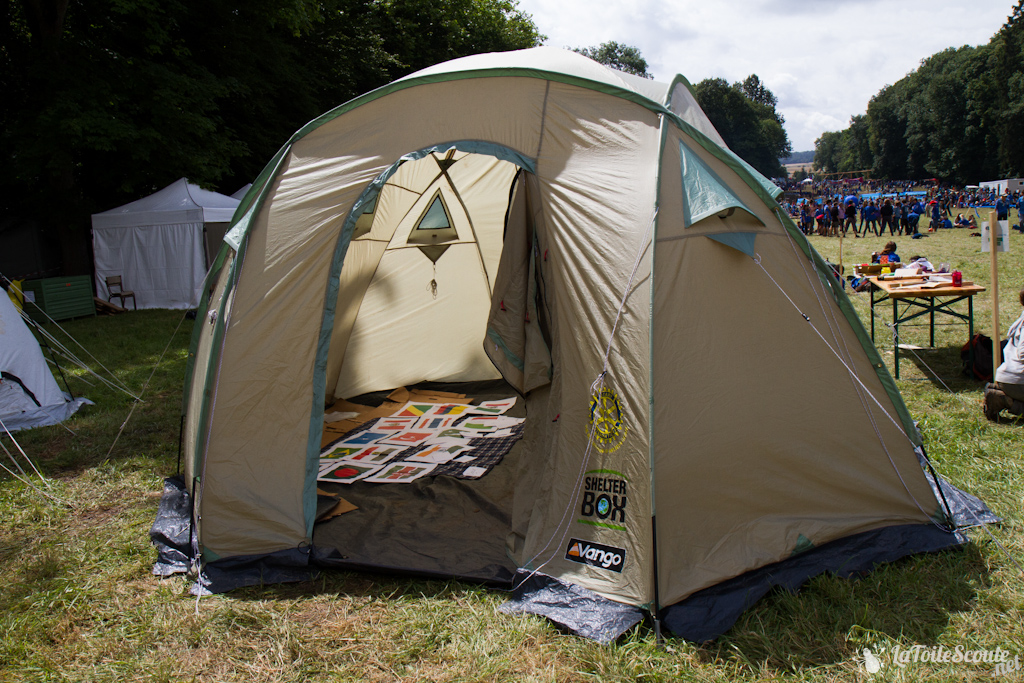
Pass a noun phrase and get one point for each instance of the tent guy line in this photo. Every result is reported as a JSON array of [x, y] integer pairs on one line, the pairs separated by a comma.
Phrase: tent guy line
[[595, 390], [865, 388], [114, 383]]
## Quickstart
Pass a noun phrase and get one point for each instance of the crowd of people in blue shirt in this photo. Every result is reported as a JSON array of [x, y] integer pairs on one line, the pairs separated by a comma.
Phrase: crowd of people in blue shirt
[[900, 207]]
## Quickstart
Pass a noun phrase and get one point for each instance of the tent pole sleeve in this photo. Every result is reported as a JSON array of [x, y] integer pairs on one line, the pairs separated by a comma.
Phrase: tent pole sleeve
[[656, 606]]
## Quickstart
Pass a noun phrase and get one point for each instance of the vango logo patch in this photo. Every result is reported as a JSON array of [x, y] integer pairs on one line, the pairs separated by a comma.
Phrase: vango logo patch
[[596, 555]]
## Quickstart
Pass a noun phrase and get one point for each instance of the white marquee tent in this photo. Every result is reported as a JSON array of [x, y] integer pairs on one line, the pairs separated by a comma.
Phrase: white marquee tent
[[162, 244]]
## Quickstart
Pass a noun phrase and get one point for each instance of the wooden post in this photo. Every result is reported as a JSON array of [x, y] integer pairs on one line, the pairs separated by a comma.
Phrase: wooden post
[[993, 243]]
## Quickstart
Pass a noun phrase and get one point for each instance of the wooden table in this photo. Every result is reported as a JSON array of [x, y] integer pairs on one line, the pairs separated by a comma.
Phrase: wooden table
[[919, 301]]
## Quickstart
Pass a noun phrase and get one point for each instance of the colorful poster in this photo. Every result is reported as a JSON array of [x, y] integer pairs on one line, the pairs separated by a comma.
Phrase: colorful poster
[[481, 423], [493, 407], [369, 436], [498, 434], [376, 454], [456, 433], [414, 410], [346, 473], [410, 438], [401, 472], [342, 450], [435, 422], [455, 409], [394, 424], [437, 453]]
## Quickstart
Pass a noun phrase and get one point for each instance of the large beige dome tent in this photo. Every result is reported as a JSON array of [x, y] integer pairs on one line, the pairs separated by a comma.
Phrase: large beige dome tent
[[700, 400]]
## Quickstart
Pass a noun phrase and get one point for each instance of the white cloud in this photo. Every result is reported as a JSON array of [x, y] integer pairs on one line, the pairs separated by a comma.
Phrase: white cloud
[[823, 60]]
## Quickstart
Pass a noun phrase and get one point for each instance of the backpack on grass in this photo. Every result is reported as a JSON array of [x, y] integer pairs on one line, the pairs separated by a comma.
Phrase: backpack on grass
[[977, 365]]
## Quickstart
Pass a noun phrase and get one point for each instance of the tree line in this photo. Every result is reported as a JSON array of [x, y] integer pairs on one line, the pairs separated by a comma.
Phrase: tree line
[[743, 113], [958, 118], [103, 102]]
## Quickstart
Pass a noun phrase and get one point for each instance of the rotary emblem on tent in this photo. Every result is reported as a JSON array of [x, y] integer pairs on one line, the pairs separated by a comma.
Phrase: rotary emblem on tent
[[607, 425]]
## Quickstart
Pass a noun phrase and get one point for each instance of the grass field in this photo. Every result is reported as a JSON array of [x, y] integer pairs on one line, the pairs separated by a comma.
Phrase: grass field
[[77, 601]]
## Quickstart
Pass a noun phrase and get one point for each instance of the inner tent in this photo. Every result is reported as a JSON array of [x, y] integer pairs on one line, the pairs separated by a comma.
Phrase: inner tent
[[429, 299]]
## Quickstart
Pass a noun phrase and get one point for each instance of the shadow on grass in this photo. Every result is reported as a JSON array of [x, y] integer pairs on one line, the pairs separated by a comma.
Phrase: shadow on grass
[[911, 601], [354, 584], [141, 349], [940, 366]]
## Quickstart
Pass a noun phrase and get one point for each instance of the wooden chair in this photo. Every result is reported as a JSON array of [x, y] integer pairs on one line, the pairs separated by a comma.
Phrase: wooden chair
[[115, 281]]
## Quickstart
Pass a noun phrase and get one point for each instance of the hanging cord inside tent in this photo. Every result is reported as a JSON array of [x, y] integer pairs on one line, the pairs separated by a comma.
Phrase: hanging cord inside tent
[[432, 285], [595, 391], [757, 260]]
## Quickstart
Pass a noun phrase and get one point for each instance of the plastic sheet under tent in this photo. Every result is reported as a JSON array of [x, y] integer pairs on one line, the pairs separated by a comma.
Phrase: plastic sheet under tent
[[705, 416]]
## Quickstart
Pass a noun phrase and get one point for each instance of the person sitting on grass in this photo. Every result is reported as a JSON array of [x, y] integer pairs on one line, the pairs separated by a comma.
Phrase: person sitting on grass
[[962, 222], [887, 255], [1006, 392]]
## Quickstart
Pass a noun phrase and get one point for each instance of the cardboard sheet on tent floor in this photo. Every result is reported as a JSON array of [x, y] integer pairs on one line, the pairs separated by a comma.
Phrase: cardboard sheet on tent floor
[[431, 410], [442, 526], [335, 429], [483, 455]]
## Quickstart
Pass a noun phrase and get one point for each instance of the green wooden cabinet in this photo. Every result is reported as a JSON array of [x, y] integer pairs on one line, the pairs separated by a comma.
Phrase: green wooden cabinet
[[60, 297]]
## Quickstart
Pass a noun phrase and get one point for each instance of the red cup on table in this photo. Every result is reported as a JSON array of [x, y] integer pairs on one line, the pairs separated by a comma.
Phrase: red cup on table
[[958, 278]]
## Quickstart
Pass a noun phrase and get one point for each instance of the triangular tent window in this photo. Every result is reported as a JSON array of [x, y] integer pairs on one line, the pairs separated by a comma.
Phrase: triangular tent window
[[704, 193], [435, 225]]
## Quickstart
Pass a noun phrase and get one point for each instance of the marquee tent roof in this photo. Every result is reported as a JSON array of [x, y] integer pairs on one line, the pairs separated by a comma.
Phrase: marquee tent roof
[[179, 202]]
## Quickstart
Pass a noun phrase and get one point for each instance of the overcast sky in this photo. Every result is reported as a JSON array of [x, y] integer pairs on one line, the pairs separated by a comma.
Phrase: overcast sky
[[823, 59]]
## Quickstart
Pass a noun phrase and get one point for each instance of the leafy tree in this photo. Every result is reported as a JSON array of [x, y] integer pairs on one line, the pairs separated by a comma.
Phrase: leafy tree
[[887, 132], [827, 152], [756, 91], [751, 128], [958, 117], [1008, 47], [102, 102], [856, 149], [948, 120], [420, 33], [618, 56]]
